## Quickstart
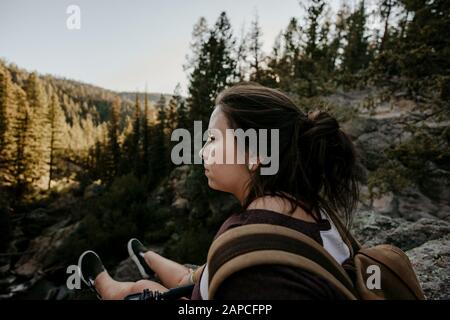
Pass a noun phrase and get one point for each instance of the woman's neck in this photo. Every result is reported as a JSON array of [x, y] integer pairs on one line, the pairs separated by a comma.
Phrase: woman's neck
[[280, 205]]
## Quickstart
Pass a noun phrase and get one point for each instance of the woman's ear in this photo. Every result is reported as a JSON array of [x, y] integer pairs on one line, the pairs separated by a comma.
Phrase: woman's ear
[[252, 166], [254, 161]]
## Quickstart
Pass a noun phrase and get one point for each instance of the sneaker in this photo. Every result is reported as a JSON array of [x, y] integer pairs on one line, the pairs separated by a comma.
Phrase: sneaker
[[136, 251], [90, 266]]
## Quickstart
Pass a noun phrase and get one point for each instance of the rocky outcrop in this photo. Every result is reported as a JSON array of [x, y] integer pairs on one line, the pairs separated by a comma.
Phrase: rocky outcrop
[[431, 261], [40, 253], [372, 228], [425, 241], [29, 261], [381, 122]]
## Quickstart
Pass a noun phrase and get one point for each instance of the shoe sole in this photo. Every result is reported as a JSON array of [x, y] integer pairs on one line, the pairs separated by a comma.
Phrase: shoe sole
[[79, 265], [136, 260]]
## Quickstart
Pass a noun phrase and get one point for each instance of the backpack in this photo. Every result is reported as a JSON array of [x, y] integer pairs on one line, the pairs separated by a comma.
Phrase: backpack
[[376, 273]]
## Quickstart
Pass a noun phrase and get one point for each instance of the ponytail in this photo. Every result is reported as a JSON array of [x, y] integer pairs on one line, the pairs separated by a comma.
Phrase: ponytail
[[328, 162]]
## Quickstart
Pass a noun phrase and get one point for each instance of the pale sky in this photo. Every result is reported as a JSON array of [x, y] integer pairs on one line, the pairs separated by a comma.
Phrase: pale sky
[[124, 45]]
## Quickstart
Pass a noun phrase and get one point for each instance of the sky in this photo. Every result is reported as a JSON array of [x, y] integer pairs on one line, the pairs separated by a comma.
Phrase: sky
[[125, 45]]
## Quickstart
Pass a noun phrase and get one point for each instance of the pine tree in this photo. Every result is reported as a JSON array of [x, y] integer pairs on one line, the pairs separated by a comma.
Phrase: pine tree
[[23, 147], [334, 54], [199, 38], [172, 116], [424, 50], [6, 115], [162, 119], [313, 68], [386, 8], [220, 47], [214, 70], [315, 12], [241, 57], [145, 139], [182, 112], [135, 149], [355, 56], [176, 117], [270, 76], [159, 156], [197, 65], [38, 123], [55, 121], [113, 150], [288, 52], [255, 49]]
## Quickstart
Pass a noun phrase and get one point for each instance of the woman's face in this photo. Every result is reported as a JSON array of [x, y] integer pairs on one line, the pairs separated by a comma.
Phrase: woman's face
[[227, 177]]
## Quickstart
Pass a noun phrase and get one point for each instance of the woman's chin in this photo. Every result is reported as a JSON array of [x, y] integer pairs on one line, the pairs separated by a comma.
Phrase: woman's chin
[[211, 184]]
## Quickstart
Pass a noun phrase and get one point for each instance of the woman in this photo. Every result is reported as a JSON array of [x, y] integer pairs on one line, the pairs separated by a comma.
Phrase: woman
[[315, 183]]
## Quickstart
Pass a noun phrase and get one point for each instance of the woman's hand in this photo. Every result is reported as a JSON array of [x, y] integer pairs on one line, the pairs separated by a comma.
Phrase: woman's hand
[[192, 276]]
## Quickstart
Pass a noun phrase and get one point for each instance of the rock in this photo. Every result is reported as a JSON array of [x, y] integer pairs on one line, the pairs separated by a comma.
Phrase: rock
[[371, 147], [37, 220], [372, 228], [431, 261], [409, 204], [127, 271], [5, 264], [437, 184], [177, 182], [411, 235], [59, 293], [413, 205], [358, 126], [384, 204], [40, 251], [426, 242]]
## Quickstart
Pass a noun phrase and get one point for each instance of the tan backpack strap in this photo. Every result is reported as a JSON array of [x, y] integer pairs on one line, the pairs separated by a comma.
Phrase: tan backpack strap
[[264, 257], [248, 238]]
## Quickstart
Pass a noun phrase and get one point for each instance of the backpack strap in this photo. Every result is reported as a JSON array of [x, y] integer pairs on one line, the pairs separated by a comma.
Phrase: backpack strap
[[258, 244]]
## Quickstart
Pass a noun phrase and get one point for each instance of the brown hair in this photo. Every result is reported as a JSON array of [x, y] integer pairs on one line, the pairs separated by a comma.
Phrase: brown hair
[[318, 162]]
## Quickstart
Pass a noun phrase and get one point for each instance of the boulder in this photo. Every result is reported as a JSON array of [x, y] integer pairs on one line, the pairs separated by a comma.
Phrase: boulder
[[431, 261], [39, 254], [127, 271], [372, 228]]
